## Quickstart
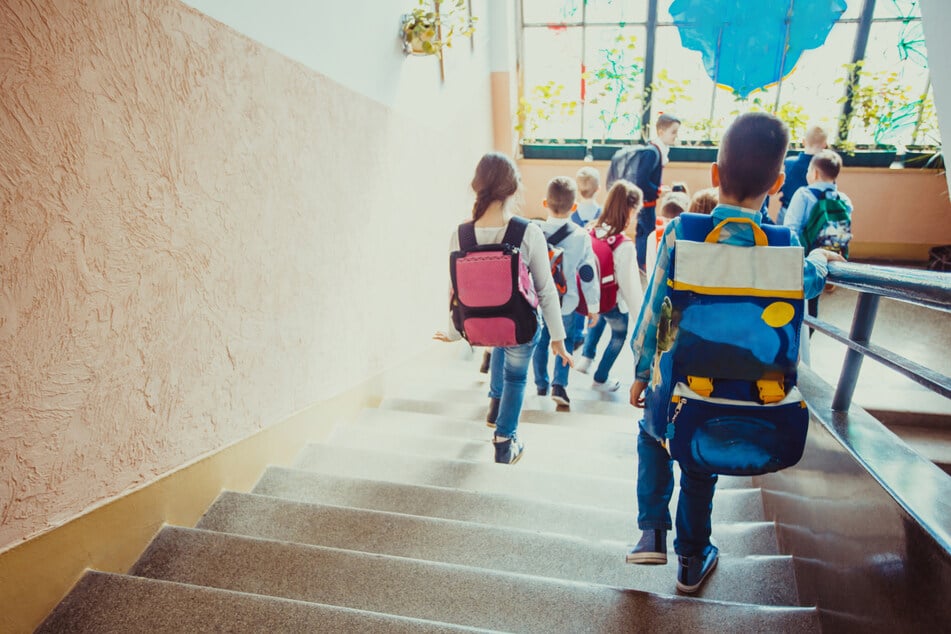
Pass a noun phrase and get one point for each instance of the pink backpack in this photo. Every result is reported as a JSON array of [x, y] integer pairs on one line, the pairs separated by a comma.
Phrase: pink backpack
[[493, 298]]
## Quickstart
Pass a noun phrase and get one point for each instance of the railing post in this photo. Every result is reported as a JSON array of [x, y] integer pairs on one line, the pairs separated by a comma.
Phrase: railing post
[[865, 310]]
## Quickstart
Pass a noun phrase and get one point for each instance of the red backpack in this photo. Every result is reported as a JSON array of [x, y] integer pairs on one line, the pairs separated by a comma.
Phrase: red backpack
[[604, 251]]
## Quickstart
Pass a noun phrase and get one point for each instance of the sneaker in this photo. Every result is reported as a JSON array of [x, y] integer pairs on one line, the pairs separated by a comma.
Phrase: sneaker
[[611, 385], [493, 413], [560, 396], [693, 571], [542, 391], [486, 359], [651, 549], [508, 450], [582, 364]]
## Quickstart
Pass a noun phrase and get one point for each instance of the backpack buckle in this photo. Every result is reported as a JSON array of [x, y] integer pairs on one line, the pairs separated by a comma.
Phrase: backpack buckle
[[770, 391], [702, 385]]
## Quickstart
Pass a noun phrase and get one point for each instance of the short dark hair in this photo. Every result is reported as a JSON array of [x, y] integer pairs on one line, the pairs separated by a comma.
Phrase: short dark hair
[[827, 163], [561, 194], [751, 154], [673, 204], [665, 120]]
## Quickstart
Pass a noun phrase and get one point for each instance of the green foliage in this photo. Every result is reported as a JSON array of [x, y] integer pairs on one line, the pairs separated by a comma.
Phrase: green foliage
[[544, 102], [421, 27], [613, 86]]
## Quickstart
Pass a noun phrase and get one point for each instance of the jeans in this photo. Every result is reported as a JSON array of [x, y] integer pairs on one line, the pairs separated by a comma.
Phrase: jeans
[[540, 357], [508, 374], [646, 225], [655, 487], [618, 322]]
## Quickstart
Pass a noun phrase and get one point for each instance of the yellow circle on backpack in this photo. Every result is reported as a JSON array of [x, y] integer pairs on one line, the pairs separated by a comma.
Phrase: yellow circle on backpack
[[778, 314]]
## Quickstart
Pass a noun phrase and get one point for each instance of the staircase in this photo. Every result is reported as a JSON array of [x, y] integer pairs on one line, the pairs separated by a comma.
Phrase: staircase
[[401, 522]]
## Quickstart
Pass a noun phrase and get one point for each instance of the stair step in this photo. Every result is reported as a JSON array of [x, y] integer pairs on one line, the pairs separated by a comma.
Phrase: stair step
[[501, 509], [545, 455], [611, 443], [452, 541], [530, 414], [106, 602], [436, 591], [485, 476]]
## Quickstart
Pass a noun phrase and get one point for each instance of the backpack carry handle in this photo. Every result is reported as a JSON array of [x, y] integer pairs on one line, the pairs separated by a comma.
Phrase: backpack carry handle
[[759, 236]]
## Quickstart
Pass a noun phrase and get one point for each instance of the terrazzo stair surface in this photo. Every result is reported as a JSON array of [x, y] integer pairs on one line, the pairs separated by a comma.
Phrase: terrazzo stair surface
[[401, 522], [419, 589], [104, 602]]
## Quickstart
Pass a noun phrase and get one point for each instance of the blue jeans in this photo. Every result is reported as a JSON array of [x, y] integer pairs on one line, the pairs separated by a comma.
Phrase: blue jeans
[[540, 357], [646, 224], [508, 374], [655, 487], [618, 322]]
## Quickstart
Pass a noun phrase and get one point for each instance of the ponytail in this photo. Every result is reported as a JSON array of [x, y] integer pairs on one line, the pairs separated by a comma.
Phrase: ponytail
[[496, 179]]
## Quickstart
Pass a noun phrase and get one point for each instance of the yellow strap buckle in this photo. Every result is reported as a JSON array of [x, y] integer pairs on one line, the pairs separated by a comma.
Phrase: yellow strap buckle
[[770, 391], [702, 385]]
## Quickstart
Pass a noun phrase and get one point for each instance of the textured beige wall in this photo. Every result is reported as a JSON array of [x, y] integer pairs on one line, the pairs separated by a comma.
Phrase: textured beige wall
[[198, 237]]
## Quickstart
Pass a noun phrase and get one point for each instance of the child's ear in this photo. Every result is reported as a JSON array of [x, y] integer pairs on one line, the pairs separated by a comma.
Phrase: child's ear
[[715, 174], [545, 203], [778, 184], [574, 207]]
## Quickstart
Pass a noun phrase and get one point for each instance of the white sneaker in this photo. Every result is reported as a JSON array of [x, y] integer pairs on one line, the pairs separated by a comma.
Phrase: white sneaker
[[611, 385], [582, 363]]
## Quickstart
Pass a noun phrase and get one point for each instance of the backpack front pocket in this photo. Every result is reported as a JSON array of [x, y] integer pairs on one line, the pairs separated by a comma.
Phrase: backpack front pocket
[[733, 437]]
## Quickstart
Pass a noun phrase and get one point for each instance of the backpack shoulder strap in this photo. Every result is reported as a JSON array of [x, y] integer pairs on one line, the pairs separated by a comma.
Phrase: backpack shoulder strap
[[820, 194], [467, 237], [515, 231], [560, 235]]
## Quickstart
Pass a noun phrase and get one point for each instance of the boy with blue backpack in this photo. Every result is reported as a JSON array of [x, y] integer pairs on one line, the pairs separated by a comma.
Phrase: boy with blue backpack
[[576, 261], [716, 348]]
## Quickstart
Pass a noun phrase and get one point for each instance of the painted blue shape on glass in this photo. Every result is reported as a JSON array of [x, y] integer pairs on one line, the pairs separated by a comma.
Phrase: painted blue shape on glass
[[750, 36]]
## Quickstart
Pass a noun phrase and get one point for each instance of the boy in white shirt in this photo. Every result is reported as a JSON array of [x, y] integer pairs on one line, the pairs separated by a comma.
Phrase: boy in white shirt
[[578, 264]]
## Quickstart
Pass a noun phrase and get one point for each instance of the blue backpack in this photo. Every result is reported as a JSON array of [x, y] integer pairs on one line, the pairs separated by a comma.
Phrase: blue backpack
[[723, 390]]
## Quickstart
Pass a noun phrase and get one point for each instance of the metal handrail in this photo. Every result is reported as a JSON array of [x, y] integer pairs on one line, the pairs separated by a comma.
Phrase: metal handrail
[[923, 288]]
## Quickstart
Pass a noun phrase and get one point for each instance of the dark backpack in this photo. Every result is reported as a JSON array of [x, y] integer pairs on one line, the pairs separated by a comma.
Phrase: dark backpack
[[604, 252], [493, 301], [556, 257], [626, 162], [829, 225]]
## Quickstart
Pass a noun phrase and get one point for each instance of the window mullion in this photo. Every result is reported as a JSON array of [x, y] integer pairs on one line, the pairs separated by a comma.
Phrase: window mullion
[[649, 68], [858, 54]]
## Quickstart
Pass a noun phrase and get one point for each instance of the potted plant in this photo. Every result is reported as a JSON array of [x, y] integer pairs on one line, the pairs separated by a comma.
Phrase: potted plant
[[544, 103], [431, 26]]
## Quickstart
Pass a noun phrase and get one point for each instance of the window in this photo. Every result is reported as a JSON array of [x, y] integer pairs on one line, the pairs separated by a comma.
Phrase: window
[[598, 70]]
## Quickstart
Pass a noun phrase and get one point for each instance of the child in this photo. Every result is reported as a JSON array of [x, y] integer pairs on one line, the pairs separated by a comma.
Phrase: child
[[795, 168], [623, 203], [821, 175], [749, 166], [496, 184], [578, 262], [589, 182], [704, 201], [671, 205]]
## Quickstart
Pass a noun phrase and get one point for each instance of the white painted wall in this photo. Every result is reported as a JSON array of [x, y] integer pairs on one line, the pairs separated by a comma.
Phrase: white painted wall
[[936, 18]]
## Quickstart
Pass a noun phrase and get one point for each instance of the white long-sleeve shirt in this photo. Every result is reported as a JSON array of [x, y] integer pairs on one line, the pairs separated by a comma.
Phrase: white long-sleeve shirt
[[534, 250], [577, 253], [630, 293]]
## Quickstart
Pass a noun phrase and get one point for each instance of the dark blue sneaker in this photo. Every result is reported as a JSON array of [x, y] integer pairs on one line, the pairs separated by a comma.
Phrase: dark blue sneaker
[[560, 396], [693, 571], [493, 413], [651, 549], [542, 391], [508, 450]]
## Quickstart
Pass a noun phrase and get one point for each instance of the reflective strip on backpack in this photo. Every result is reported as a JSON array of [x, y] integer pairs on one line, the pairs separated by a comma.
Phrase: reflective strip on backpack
[[724, 269]]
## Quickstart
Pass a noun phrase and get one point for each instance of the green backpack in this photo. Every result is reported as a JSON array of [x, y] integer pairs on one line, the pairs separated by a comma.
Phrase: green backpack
[[829, 225]]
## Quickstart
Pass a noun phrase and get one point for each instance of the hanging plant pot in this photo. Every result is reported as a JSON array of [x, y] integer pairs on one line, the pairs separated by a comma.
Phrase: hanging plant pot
[[418, 36]]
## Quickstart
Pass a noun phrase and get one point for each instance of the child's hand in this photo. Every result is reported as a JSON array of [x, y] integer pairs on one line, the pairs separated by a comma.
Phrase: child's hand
[[637, 393], [830, 256], [592, 319], [442, 336], [558, 349]]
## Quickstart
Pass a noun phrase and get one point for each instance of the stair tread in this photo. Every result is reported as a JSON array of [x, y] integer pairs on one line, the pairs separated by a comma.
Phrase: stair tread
[[431, 591], [485, 476], [500, 508], [107, 602]]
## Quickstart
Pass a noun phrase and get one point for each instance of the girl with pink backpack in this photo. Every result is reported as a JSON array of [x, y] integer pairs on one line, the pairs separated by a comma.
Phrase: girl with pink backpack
[[500, 275]]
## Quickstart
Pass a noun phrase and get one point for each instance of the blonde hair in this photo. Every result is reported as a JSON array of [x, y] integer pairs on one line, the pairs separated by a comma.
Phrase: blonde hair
[[589, 181], [704, 201], [673, 204]]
